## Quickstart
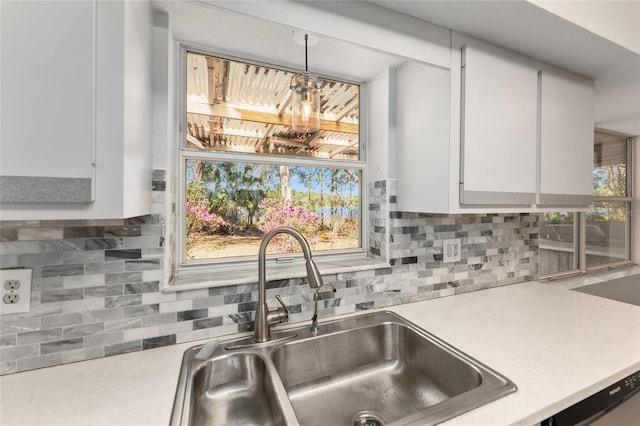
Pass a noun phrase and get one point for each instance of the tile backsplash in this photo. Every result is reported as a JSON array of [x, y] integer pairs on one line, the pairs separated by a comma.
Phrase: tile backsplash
[[97, 284]]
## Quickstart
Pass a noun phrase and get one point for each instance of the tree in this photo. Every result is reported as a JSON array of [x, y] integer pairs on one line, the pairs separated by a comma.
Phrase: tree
[[236, 190]]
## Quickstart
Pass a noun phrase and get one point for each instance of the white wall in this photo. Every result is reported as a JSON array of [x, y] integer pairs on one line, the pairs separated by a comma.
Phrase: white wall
[[381, 127], [635, 211], [617, 21], [138, 35]]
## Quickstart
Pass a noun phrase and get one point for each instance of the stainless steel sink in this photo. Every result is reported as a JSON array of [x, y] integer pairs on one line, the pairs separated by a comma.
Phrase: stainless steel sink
[[224, 387], [371, 369]]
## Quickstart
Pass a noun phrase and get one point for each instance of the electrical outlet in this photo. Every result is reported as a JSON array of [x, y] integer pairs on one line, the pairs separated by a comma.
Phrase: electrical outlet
[[15, 291], [451, 250]]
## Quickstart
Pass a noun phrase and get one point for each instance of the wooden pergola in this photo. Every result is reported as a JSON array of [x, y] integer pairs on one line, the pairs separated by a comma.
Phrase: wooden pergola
[[241, 107]]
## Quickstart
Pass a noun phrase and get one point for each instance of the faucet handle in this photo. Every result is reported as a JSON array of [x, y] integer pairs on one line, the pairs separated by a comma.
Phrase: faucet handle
[[283, 312]]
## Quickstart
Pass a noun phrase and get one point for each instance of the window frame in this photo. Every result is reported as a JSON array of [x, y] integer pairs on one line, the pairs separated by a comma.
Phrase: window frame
[[580, 221], [244, 262]]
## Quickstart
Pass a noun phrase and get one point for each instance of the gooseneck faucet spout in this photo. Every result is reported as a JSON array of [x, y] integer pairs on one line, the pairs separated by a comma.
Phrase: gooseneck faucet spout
[[266, 318]]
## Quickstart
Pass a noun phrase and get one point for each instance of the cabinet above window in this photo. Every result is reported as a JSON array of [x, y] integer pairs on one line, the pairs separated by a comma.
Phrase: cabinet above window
[[520, 135], [76, 110]]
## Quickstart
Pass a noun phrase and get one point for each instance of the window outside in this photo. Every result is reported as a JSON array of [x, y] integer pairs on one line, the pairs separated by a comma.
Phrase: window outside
[[558, 243], [246, 171], [606, 231], [608, 224]]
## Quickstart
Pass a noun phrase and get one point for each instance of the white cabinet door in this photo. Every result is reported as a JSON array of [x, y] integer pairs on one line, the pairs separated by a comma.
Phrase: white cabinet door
[[48, 101], [498, 129], [76, 109], [566, 139], [422, 137]]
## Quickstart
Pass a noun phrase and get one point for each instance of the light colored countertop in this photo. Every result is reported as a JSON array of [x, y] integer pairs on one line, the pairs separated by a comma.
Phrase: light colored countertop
[[558, 346]]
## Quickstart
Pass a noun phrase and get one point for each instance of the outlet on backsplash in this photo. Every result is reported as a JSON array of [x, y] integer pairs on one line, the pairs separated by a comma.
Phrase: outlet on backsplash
[[15, 291], [451, 250]]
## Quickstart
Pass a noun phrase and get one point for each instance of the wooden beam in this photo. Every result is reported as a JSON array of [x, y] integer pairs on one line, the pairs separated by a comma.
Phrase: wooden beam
[[310, 141], [194, 141], [348, 108], [342, 149], [221, 110]]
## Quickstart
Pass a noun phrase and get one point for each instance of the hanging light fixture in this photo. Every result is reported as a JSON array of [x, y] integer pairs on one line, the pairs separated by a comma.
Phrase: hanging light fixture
[[306, 92]]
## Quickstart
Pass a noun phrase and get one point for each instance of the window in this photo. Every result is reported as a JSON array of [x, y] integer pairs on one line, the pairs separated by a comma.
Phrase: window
[[245, 170], [602, 236]]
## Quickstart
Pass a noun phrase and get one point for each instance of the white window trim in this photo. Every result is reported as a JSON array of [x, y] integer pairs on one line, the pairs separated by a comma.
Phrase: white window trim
[[580, 223], [243, 270]]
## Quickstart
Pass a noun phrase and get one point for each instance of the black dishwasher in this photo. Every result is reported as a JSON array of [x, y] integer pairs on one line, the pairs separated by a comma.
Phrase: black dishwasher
[[597, 405]]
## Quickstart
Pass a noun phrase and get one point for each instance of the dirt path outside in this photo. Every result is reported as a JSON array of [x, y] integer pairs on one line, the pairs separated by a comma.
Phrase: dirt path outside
[[216, 246]]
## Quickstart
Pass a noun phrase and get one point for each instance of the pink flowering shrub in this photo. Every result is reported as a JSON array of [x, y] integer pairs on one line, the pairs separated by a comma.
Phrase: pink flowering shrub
[[278, 212], [199, 219]]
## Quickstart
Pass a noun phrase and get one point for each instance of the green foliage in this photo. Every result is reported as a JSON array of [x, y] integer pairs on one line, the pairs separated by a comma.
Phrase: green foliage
[[610, 181]]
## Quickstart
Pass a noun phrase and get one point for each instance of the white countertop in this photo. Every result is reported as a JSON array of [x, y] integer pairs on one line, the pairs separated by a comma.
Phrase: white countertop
[[558, 346]]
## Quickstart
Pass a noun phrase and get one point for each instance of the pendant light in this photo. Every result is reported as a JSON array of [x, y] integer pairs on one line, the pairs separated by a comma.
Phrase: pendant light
[[306, 93]]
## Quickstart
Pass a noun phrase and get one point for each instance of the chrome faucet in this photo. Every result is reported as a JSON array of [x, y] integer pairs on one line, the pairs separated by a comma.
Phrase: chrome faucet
[[264, 317], [316, 298]]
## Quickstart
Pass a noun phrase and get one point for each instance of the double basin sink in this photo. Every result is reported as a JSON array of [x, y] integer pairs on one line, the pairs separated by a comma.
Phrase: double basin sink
[[368, 370]]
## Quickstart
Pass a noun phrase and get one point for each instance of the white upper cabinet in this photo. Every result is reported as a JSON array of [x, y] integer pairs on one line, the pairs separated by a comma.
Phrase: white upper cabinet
[[48, 101], [498, 132], [566, 139], [422, 137], [76, 109], [499, 103]]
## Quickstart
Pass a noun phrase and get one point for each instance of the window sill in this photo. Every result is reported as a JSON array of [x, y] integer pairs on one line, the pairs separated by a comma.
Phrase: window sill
[[219, 277]]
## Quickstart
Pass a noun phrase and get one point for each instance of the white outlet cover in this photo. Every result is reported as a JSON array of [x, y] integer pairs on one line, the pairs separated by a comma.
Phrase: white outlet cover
[[451, 250], [23, 291]]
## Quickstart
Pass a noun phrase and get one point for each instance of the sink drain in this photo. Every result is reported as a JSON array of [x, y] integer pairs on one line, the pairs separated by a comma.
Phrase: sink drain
[[366, 418]]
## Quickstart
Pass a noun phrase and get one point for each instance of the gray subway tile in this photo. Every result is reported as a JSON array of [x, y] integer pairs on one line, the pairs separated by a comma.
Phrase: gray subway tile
[[137, 311], [207, 323], [126, 300], [61, 345], [103, 291], [122, 324], [8, 261], [8, 367], [40, 259], [62, 320], [121, 254], [39, 336], [19, 325], [103, 339], [62, 270], [62, 295], [237, 298], [85, 280], [122, 348], [83, 232], [49, 283], [207, 302], [141, 265], [83, 256], [8, 234], [82, 354], [104, 267], [102, 243], [48, 360], [158, 174], [123, 277], [19, 352], [159, 319], [8, 340], [123, 231], [192, 314], [103, 315], [145, 287], [158, 342], [83, 330]]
